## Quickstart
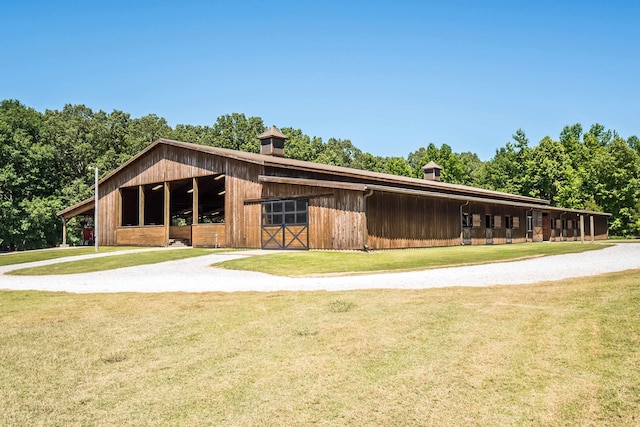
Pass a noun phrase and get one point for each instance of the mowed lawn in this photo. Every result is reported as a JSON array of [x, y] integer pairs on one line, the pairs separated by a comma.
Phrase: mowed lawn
[[562, 353], [310, 263]]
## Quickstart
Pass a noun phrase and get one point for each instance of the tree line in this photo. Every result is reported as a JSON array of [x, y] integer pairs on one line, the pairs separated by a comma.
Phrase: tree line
[[45, 161]]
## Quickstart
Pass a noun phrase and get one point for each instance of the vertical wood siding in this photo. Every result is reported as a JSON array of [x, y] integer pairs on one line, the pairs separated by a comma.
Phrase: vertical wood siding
[[401, 221], [405, 221], [336, 221]]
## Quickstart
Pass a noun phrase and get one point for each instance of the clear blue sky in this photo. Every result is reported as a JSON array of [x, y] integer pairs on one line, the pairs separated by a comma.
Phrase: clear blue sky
[[390, 76]]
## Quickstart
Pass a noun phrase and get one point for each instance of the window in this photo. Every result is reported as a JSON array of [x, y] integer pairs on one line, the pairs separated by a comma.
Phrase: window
[[130, 206], [508, 221], [488, 221], [466, 220], [285, 212], [529, 223]]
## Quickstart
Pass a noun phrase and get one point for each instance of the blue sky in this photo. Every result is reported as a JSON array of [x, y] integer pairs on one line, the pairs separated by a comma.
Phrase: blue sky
[[390, 76]]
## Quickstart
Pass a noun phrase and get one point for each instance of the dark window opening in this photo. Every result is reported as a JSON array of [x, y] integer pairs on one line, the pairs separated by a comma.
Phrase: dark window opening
[[211, 199], [130, 206], [508, 222], [181, 201], [154, 204], [488, 221], [466, 220]]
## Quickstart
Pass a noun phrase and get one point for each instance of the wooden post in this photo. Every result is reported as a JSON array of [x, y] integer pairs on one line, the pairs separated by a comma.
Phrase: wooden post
[[140, 205], [593, 231], [582, 228], [195, 200], [167, 212], [64, 233]]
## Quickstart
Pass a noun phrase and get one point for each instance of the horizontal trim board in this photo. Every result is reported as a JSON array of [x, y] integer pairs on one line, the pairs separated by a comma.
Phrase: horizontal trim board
[[311, 182], [289, 197]]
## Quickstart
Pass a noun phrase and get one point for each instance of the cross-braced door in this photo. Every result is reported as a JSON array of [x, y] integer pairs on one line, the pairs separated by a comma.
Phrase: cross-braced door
[[285, 224]]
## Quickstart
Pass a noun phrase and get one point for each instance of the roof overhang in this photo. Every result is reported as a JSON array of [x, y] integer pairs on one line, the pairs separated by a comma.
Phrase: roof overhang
[[422, 193], [83, 208]]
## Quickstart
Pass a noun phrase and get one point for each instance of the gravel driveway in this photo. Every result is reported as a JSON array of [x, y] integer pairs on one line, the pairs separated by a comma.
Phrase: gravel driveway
[[196, 275]]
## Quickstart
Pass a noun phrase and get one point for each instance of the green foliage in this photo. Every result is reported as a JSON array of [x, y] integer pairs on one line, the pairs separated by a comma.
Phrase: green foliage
[[236, 132], [454, 168]]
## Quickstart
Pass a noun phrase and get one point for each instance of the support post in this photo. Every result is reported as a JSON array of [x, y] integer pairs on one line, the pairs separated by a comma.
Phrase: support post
[[140, 205], [582, 228], [96, 212], [167, 212], [593, 231], [195, 200], [64, 233]]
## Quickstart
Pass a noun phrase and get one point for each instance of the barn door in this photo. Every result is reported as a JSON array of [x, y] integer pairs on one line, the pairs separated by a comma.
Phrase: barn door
[[488, 228], [536, 226], [508, 228], [285, 224]]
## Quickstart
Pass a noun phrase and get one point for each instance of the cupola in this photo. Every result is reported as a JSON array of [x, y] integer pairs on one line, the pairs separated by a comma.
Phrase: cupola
[[272, 142], [432, 171]]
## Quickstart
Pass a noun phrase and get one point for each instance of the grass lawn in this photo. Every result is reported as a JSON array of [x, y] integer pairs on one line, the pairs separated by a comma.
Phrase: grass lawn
[[305, 263], [562, 353], [113, 261], [23, 257]]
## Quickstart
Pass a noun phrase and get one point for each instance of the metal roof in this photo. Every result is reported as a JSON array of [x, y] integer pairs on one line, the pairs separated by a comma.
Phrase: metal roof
[[373, 180]]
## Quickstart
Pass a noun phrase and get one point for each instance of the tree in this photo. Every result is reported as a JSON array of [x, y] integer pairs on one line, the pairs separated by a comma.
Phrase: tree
[[396, 166], [236, 132], [454, 170], [28, 180], [338, 152], [301, 146]]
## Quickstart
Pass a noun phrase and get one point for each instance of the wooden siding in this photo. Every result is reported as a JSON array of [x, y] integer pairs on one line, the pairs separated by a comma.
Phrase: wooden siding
[[208, 235], [243, 220], [405, 221], [401, 221], [161, 164], [336, 221], [150, 235], [180, 232]]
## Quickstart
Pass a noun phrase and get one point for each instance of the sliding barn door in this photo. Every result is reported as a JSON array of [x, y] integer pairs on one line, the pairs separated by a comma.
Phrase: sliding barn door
[[285, 224]]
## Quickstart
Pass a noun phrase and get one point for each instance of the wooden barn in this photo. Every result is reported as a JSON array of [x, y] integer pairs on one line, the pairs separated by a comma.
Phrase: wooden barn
[[213, 197]]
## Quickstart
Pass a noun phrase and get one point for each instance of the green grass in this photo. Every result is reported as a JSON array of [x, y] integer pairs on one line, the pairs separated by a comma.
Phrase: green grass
[[561, 353], [112, 262], [321, 263], [47, 254]]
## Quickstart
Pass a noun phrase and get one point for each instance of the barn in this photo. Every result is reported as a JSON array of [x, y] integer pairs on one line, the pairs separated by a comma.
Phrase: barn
[[206, 196]]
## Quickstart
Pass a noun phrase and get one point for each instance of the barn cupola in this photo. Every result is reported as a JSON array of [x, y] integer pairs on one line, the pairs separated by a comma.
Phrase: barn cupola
[[432, 171], [272, 142]]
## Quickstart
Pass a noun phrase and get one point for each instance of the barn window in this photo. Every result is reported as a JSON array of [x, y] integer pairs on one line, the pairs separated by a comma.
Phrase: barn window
[[488, 221], [154, 204], [130, 204], [508, 221], [529, 223], [466, 220], [284, 212]]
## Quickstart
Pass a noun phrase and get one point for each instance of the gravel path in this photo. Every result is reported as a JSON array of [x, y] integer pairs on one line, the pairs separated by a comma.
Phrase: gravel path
[[196, 275]]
